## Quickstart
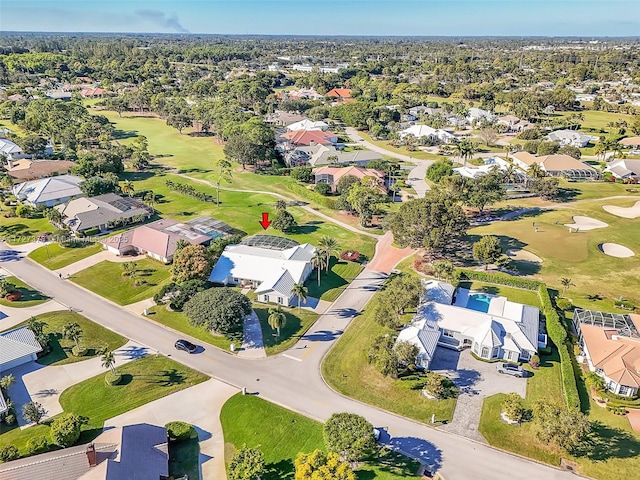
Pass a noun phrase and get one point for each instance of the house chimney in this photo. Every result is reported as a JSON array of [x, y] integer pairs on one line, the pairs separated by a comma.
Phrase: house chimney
[[91, 455], [9, 164]]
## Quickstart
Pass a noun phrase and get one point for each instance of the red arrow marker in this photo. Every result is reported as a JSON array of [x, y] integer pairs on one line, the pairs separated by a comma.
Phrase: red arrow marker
[[265, 222]]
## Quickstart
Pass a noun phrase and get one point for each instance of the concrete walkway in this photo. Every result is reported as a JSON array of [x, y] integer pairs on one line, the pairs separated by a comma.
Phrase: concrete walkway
[[253, 344], [35, 382], [200, 406], [416, 175], [94, 260], [10, 317], [141, 306]]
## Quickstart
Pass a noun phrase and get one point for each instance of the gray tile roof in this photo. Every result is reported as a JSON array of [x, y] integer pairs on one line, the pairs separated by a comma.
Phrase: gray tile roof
[[17, 343]]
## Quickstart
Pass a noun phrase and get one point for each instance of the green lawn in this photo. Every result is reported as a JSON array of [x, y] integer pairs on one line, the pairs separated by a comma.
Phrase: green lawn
[[94, 337], [346, 370], [527, 297], [418, 154], [106, 280], [282, 434], [296, 326], [55, 256], [17, 231], [243, 211], [30, 297], [144, 380], [178, 321], [333, 282], [577, 255]]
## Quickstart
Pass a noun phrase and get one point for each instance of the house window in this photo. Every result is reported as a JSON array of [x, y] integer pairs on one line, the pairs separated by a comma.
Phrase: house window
[[624, 390], [495, 351], [280, 300], [599, 371], [448, 333], [485, 352]]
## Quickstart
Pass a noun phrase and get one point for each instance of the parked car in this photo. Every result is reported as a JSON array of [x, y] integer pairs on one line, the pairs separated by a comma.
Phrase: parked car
[[185, 345], [376, 434], [510, 369], [44, 236]]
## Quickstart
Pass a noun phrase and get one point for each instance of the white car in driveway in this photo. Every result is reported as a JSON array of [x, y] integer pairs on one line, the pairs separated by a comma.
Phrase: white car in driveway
[[510, 369]]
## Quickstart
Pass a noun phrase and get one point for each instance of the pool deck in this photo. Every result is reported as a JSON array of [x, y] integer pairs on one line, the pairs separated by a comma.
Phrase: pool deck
[[466, 298]]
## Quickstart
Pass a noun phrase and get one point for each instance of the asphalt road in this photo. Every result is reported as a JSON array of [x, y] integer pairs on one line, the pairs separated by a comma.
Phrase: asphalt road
[[294, 381]]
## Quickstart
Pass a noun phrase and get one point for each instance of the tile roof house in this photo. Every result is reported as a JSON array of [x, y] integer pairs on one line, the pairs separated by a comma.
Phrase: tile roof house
[[425, 131], [340, 93], [569, 137], [610, 344], [492, 326], [319, 155], [101, 211], [310, 137], [158, 239], [284, 118], [477, 114], [9, 149], [17, 346], [631, 142], [332, 175], [273, 273], [557, 165], [132, 452], [625, 169], [307, 124], [48, 192], [309, 93], [32, 169]]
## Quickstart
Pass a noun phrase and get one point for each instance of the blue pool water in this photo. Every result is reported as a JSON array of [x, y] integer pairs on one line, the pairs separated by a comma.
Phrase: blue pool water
[[479, 302]]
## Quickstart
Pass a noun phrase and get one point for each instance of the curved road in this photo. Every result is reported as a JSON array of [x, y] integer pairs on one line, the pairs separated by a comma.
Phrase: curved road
[[416, 175], [293, 380]]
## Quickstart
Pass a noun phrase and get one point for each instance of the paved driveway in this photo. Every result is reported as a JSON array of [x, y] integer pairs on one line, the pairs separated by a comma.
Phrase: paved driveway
[[476, 380], [199, 406]]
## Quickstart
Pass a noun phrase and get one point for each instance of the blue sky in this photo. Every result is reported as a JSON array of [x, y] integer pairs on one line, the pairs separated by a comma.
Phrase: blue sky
[[328, 17]]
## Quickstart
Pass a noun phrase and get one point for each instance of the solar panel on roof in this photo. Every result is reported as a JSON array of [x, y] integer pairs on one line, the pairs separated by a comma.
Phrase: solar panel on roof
[[272, 242]]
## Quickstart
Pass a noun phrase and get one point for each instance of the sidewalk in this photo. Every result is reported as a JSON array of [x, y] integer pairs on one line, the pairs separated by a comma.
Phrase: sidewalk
[[253, 344]]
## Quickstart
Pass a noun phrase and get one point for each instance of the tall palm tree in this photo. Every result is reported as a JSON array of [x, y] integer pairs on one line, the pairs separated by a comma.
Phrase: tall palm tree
[[72, 331], [128, 188], [277, 319], [151, 199], [536, 171], [224, 169], [329, 246], [109, 361], [566, 283], [300, 291], [318, 261], [53, 215]]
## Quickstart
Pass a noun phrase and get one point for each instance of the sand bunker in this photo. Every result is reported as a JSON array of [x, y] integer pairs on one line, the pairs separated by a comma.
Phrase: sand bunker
[[585, 223], [615, 250], [523, 255], [626, 212]]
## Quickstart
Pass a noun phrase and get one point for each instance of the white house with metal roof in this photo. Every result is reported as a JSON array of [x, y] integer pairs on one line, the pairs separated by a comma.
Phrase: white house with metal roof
[[273, 273], [10, 150], [17, 346], [48, 192], [492, 326]]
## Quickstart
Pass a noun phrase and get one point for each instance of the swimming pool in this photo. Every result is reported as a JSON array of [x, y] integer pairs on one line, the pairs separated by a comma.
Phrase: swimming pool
[[478, 302]]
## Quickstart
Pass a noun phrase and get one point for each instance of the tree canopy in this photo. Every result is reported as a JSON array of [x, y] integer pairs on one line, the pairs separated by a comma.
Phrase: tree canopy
[[221, 310], [349, 435]]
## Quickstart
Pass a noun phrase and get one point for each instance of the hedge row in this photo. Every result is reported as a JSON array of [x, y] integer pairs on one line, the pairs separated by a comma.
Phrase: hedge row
[[313, 196], [555, 329]]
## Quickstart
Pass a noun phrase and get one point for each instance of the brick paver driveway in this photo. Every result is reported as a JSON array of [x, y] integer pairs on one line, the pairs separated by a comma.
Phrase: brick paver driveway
[[476, 380]]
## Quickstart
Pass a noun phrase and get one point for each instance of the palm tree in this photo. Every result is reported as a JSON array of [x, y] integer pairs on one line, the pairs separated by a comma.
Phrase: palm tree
[[224, 168], [72, 331], [109, 361], [128, 188], [150, 198], [277, 319], [6, 382], [53, 215], [536, 171], [328, 245], [566, 283], [318, 261], [300, 291]]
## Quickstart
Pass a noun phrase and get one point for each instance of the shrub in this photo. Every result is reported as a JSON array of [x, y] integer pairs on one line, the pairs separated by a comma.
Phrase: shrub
[[350, 255], [323, 188], [513, 408], [65, 429], [14, 296], [535, 362], [178, 431], [91, 232], [37, 445], [8, 453], [112, 379], [624, 304], [10, 418], [564, 304]]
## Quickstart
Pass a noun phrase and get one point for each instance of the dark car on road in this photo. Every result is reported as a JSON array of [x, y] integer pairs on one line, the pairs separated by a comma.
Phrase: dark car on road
[[185, 345], [510, 369]]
